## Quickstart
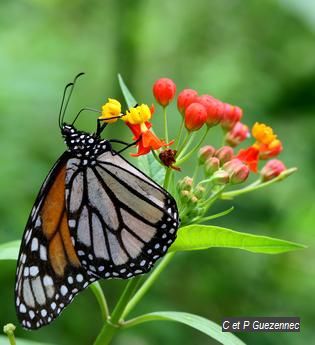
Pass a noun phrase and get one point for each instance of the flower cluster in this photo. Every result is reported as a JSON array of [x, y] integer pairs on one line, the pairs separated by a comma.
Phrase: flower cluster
[[216, 169]]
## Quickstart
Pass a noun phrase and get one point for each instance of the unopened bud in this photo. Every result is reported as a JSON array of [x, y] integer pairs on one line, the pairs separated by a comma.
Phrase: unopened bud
[[205, 153], [231, 115], [185, 184], [212, 165], [220, 177], [199, 191], [225, 154], [185, 195], [237, 134], [272, 169], [237, 171]]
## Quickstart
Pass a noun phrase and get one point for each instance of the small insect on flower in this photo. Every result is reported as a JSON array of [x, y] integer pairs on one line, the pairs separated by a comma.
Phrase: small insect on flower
[[96, 216]]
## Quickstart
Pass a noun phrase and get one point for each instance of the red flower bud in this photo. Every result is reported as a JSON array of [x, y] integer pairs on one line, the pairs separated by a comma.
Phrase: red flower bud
[[272, 169], [185, 98], [237, 134], [195, 116], [231, 115], [225, 154], [205, 153], [220, 177], [212, 164], [214, 109], [164, 90], [237, 171]]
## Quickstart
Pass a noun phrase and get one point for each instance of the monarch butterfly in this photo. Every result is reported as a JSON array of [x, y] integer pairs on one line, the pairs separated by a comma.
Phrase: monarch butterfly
[[96, 216]]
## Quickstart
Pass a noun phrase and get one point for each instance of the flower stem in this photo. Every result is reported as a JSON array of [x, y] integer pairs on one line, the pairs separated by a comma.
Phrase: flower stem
[[182, 160], [147, 284], [179, 135], [167, 178], [100, 297], [9, 329], [258, 184], [165, 124], [113, 324]]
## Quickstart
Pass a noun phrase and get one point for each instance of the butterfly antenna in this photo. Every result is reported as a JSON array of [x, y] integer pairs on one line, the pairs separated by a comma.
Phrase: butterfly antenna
[[65, 103], [84, 109]]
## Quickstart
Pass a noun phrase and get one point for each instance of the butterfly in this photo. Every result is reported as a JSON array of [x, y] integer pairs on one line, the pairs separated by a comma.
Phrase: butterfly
[[96, 216]]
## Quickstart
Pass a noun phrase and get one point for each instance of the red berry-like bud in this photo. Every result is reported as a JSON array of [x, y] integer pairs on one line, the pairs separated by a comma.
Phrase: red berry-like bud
[[237, 134], [272, 169], [164, 90], [237, 171], [212, 165], [231, 115], [225, 154], [185, 98], [205, 153], [195, 116], [214, 109]]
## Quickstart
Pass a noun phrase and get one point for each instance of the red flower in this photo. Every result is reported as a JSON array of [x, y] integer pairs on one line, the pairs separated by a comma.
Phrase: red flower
[[195, 116], [231, 115], [214, 109], [185, 98], [272, 169], [249, 156], [146, 139], [164, 90], [237, 134]]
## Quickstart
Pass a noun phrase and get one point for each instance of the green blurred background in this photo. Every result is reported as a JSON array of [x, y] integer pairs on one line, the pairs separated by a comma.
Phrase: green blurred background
[[257, 54]]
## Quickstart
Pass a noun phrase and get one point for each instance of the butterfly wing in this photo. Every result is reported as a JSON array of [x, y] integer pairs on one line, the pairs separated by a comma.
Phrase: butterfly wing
[[49, 273], [120, 219]]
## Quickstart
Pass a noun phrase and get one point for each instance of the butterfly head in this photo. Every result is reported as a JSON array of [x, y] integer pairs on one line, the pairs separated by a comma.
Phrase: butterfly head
[[83, 144]]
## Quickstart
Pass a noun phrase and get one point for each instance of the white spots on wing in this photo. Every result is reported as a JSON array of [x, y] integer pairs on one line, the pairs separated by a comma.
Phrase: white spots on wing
[[38, 222], [90, 256], [99, 245], [132, 245], [83, 228], [163, 226], [53, 305], [43, 252], [72, 223], [171, 231], [118, 255], [63, 290], [81, 252], [22, 308], [143, 230], [142, 263], [34, 271], [107, 274], [28, 236], [31, 314], [79, 278], [38, 291], [26, 272], [34, 245], [76, 194], [123, 270], [101, 268], [157, 246], [27, 294], [164, 236], [149, 251], [49, 286], [43, 312], [164, 249], [70, 280], [101, 201]]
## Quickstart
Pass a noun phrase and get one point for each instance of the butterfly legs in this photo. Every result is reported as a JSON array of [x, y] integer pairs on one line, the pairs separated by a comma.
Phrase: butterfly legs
[[127, 145]]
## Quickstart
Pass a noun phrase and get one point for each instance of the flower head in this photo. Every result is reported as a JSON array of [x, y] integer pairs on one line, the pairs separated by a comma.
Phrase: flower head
[[237, 134], [214, 109], [164, 90], [249, 156], [110, 109], [272, 169], [138, 115], [224, 154], [231, 115], [195, 116], [185, 98], [237, 171], [204, 153]]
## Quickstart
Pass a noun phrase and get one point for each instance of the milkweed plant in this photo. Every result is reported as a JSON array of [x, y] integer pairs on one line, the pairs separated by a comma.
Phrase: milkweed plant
[[219, 174]]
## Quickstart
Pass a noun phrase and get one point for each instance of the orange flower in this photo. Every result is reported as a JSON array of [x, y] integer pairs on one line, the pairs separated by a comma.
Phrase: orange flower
[[249, 156]]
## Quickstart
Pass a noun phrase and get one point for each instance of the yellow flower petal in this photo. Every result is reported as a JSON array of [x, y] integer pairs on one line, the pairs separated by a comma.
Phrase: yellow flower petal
[[137, 115], [111, 109], [263, 133]]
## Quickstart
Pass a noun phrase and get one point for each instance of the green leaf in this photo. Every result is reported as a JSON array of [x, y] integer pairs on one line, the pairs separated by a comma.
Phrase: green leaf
[[148, 165], [10, 250], [197, 237], [19, 341], [203, 325], [130, 100]]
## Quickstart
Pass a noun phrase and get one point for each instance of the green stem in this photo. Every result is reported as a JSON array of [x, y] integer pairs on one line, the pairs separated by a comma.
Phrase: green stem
[[100, 297], [9, 329], [213, 216], [258, 184], [167, 178], [182, 160], [147, 284], [165, 124], [113, 324], [183, 147], [179, 135]]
